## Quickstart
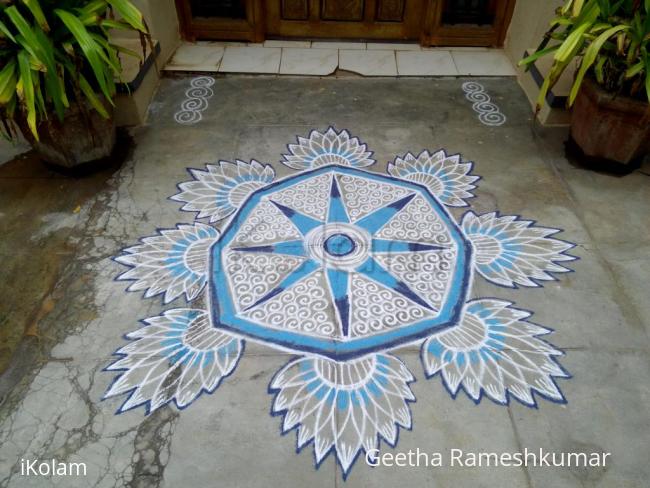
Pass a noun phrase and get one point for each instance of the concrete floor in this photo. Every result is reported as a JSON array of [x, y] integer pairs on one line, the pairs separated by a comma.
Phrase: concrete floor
[[59, 235]]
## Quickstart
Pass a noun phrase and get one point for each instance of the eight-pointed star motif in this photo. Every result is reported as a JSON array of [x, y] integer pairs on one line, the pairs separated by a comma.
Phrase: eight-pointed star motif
[[353, 257]]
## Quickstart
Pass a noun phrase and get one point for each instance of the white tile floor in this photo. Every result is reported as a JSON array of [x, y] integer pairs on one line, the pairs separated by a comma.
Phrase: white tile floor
[[323, 58], [487, 63], [188, 56], [251, 59], [426, 63], [368, 62], [306, 61]]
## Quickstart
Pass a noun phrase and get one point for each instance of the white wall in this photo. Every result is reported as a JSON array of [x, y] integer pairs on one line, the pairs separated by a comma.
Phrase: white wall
[[162, 20], [530, 21]]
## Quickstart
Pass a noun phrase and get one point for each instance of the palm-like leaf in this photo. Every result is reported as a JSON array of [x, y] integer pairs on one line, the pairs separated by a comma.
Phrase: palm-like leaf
[[25, 90], [35, 8], [53, 52], [129, 13], [8, 82], [89, 47], [5, 32], [609, 39], [590, 56]]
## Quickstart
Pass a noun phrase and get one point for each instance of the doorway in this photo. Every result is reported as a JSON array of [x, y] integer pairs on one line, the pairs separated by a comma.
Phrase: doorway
[[344, 19], [430, 22]]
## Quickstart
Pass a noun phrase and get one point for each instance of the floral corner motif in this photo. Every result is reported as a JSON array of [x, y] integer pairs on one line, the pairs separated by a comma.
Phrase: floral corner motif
[[220, 189], [344, 408], [325, 148], [511, 252], [175, 357], [495, 351], [446, 177], [171, 263]]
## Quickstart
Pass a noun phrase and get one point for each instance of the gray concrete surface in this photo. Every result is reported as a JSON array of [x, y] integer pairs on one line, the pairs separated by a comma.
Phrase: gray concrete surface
[[74, 314], [11, 149]]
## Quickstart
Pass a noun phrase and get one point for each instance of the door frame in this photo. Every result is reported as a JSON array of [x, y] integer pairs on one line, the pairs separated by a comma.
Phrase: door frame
[[250, 29], [435, 33], [408, 29], [426, 28]]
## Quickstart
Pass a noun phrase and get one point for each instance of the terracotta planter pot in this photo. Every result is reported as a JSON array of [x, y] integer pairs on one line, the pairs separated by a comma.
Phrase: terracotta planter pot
[[82, 137], [609, 127]]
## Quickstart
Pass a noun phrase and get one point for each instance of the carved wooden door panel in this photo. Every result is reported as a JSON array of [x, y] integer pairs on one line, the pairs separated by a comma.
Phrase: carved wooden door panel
[[432, 22], [351, 19]]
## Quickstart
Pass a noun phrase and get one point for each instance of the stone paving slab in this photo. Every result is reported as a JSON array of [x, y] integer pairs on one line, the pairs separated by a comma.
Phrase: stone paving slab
[[372, 59]]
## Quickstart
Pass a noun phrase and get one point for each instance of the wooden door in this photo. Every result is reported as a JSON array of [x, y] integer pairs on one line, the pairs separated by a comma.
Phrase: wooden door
[[466, 22], [231, 20], [345, 19], [432, 22]]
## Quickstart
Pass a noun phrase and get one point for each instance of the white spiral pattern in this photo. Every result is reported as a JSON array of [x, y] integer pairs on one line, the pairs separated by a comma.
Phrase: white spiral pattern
[[196, 101], [417, 222], [253, 275], [265, 225], [310, 197], [488, 112], [304, 307], [363, 196], [375, 308], [427, 273]]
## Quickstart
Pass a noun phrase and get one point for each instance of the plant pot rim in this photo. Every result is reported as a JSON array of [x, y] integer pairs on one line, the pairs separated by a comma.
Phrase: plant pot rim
[[613, 101]]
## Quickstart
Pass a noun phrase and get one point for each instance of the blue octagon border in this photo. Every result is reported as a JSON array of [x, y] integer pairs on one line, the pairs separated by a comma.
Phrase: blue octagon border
[[223, 312]]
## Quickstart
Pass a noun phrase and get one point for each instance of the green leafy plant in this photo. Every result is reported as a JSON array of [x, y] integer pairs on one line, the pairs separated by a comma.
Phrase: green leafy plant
[[610, 40], [57, 52]]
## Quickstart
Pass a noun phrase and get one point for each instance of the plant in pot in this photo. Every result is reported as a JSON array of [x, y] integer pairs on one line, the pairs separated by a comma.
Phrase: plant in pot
[[58, 68], [610, 95]]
